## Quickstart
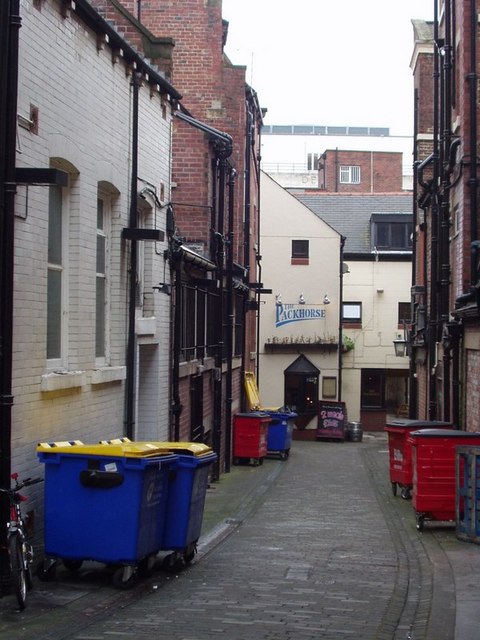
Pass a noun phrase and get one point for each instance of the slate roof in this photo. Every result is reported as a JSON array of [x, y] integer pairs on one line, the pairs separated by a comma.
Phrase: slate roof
[[350, 214]]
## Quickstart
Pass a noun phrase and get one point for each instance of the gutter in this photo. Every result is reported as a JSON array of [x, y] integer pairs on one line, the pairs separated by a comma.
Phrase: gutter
[[218, 136]]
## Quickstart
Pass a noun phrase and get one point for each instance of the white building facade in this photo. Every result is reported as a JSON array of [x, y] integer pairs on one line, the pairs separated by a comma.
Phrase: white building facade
[[299, 323], [73, 306]]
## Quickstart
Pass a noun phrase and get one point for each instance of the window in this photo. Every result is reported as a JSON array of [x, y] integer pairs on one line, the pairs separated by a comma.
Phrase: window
[[329, 387], [350, 174], [373, 389], [101, 282], [299, 248], [238, 328], [391, 232], [352, 313], [55, 278], [312, 161], [403, 313], [301, 393], [197, 325]]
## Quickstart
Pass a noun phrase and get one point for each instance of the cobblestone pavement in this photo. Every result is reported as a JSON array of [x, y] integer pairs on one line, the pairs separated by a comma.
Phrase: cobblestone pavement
[[312, 548]]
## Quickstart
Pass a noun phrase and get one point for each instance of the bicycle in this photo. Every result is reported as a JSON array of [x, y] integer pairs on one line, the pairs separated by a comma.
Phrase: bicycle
[[20, 551]]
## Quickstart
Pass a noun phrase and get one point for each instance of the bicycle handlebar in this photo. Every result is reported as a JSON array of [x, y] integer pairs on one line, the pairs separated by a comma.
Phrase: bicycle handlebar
[[24, 483], [29, 481]]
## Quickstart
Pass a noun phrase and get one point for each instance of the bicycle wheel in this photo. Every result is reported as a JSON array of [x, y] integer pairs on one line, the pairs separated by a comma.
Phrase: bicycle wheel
[[17, 565]]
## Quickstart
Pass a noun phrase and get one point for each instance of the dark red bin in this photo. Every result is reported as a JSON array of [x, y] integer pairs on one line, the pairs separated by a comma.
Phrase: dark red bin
[[399, 451], [434, 477], [250, 435]]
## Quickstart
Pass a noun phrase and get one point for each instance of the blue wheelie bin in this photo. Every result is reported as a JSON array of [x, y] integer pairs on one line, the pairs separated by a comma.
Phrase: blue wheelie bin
[[186, 496], [280, 430], [105, 503]]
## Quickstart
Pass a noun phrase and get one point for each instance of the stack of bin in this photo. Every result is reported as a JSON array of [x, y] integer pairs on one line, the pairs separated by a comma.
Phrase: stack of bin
[[434, 481], [400, 455], [467, 505], [105, 502], [280, 429]]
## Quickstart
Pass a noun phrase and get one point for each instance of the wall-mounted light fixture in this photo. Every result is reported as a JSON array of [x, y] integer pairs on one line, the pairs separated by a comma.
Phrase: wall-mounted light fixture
[[326, 299], [278, 299], [163, 287], [400, 344], [301, 299]]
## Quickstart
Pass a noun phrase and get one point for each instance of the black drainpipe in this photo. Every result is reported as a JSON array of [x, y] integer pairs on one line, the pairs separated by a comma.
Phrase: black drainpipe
[[412, 387], [230, 317], [10, 22], [340, 324], [133, 222], [246, 247], [177, 321], [433, 312], [444, 223], [473, 181], [219, 259]]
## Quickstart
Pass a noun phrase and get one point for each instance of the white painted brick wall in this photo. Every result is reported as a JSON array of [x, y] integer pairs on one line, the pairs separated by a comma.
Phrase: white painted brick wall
[[84, 103]]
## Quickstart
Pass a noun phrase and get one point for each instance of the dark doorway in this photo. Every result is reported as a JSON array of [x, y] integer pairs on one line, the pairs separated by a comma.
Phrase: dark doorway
[[301, 390]]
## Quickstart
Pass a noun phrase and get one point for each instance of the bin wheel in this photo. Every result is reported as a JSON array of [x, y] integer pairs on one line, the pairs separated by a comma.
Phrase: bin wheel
[[172, 562], [189, 553], [125, 577], [46, 570], [146, 565], [420, 523], [236, 461], [394, 488], [72, 565], [406, 495], [283, 455], [260, 461]]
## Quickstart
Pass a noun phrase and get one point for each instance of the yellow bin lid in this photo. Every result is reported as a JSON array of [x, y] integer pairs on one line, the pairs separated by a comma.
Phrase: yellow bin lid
[[117, 449], [190, 448]]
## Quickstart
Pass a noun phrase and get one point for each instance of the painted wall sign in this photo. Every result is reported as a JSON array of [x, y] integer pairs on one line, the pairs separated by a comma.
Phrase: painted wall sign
[[287, 313]]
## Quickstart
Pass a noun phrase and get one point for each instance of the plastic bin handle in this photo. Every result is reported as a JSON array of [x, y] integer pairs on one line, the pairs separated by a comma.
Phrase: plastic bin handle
[[94, 479]]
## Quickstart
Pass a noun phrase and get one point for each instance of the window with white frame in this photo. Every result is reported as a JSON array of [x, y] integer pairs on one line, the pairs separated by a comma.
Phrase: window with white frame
[[312, 161], [352, 312], [56, 279], [101, 280], [349, 174]]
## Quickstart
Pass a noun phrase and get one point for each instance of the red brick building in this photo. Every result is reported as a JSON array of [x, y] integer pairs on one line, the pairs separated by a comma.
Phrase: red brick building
[[212, 263], [445, 334], [342, 171]]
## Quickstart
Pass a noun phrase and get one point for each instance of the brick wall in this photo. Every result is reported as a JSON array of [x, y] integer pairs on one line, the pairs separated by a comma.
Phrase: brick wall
[[380, 172], [472, 418]]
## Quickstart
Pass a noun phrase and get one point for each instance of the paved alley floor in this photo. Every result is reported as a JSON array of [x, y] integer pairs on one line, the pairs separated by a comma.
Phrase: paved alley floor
[[315, 547]]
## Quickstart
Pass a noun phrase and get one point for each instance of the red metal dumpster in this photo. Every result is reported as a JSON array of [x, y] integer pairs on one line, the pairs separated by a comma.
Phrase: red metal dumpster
[[399, 451], [434, 478], [250, 435]]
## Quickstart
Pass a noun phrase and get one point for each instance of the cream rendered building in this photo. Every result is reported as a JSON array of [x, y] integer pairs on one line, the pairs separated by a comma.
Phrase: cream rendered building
[[299, 323], [376, 298]]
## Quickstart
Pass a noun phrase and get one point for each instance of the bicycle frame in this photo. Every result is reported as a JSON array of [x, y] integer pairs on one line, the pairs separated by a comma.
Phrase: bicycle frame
[[20, 551]]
